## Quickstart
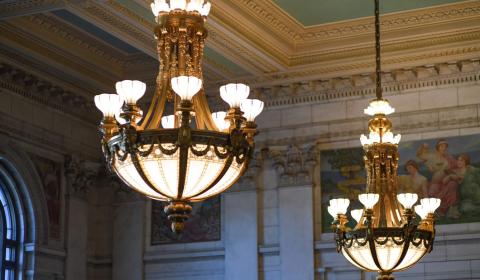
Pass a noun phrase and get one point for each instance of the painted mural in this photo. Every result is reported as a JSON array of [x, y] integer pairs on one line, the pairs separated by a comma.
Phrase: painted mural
[[49, 172], [446, 168], [203, 225]]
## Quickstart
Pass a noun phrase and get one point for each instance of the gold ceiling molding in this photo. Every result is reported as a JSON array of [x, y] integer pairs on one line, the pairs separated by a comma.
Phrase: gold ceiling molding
[[18, 8], [75, 40], [140, 38], [288, 42], [239, 54], [36, 48]]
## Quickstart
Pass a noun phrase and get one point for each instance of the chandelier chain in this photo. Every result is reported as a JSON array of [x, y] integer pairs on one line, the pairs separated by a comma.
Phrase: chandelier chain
[[378, 71]]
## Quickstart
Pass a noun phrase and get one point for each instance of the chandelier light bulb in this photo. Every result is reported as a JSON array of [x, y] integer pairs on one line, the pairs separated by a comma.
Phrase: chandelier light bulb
[[178, 4], [368, 199], [168, 121], [251, 108], [130, 91], [357, 214], [205, 10], [234, 94], [421, 211], [159, 6], [186, 86], [339, 206], [407, 199], [108, 104], [430, 204], [220, 122]]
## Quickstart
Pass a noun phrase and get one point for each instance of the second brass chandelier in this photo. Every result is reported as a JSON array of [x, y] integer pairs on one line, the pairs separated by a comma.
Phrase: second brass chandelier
[[193, 154], [387, 238]]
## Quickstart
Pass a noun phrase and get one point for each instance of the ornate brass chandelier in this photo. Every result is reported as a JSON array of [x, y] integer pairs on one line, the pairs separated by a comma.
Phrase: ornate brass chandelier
[[386, 238], [193, 154]]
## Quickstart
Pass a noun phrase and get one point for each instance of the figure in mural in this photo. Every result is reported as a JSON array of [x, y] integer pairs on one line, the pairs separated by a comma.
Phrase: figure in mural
[[468, 177], [441, 164], [414, 182]]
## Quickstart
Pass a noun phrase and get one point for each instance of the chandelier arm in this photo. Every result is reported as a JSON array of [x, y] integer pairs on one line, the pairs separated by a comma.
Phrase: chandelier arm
[[222, 173], [373, 251], [406, 246], [155, 111], [140, 171], [182, 171], [378, 70], [204, 115], [117, 153]]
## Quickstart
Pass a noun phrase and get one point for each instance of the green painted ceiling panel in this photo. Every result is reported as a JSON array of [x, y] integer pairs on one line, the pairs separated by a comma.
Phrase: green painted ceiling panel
[[312, 12]]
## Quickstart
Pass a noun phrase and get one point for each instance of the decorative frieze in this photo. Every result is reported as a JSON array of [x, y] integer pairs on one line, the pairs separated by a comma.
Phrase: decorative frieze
[[42, 91], [355, 86]]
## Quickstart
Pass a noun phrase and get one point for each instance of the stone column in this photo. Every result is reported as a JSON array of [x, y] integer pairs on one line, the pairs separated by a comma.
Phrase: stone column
[[295, 199], [80, 176], [241, 229], [128, 235]]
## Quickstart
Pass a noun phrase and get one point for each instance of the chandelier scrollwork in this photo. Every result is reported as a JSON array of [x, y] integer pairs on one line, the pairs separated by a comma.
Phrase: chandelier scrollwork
[[193, 154], [387, 237]]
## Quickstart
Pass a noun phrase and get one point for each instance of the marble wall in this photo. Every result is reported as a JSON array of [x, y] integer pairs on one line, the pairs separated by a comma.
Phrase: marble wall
[[271, 220]]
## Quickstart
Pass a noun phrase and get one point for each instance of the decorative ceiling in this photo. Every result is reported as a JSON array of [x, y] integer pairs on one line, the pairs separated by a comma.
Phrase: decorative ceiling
[[313, 12], [85, 46]]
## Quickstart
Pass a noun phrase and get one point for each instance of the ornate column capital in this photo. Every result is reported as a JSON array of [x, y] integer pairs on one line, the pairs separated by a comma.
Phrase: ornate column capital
[[81, 175], [295, 164]]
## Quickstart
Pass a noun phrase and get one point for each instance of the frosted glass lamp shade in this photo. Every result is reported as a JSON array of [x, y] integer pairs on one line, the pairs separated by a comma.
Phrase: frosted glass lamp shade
[[407, 199], [421, 211], [219, 119], [251, 108], [130, 91], [205, 10], [159, 6], [357, 214], [178, 4], [186, 86], [331, 212], [430, 204], [109, 104], [168, 121], [374, 137], [368, 199], [339, 206], [379, 107], [194, 5], [234, 94]]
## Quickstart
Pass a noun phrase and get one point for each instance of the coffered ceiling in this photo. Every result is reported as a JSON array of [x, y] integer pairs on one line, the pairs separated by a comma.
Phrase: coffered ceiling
[[85, 46]]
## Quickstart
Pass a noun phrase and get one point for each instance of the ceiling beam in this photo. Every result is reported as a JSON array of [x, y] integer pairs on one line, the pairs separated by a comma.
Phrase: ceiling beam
[[12, 9]]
